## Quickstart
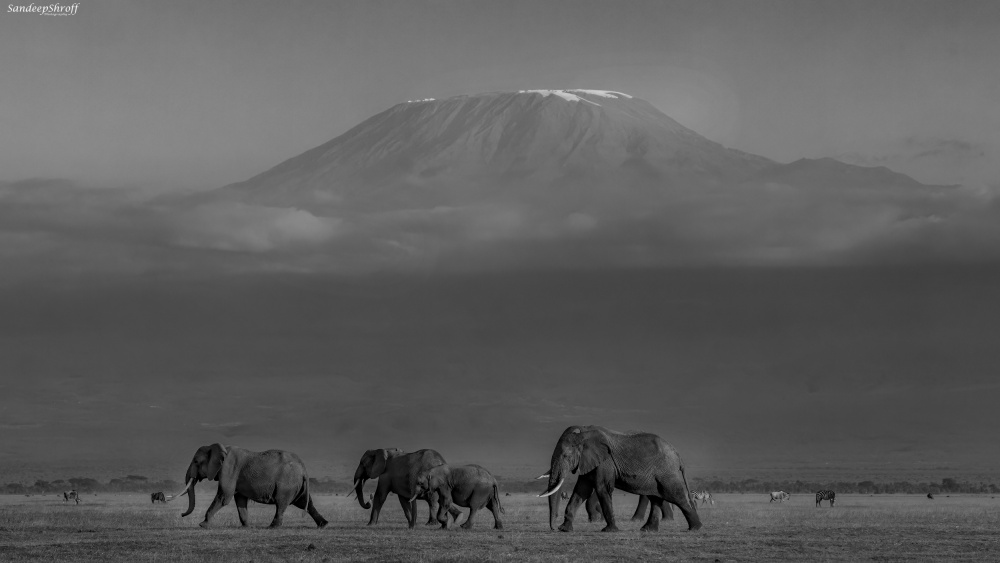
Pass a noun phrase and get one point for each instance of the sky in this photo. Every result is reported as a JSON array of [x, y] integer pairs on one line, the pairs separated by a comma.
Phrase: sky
[[201, 94], [134, 328]]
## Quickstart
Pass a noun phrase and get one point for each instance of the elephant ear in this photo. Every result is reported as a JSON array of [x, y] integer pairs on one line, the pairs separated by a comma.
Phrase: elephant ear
[[594, 450], [378, 463], [216, 457]]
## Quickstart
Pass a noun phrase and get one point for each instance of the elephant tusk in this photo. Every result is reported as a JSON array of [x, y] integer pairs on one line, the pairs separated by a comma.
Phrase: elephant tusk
[[554, 489], [413, 498], [186, 487], [546, 476]]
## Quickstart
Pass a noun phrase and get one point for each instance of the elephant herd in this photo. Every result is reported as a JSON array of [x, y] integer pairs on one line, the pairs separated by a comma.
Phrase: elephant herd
[[605, 460]]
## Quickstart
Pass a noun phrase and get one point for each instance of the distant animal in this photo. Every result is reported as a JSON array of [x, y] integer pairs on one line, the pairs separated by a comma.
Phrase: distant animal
[[564, 495], [506, 494], [825, 495], [158, 497], [930, 496], [780, 496], [703, 496], [71, 495]]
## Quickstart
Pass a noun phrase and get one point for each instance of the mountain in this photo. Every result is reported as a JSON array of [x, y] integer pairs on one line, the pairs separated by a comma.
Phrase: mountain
[[499, 146], [562, 148]]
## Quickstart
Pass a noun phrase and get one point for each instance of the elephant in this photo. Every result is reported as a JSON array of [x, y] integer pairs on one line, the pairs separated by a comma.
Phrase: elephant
[[273, 477], [157, 497], [470, 486], [639, 463], [397, 473]]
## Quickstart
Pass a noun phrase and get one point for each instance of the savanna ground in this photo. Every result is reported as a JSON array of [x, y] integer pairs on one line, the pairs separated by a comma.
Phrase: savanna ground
[[737, 528]]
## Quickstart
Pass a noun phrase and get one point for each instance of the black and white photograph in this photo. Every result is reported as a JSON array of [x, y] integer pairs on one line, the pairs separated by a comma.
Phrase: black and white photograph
[[500, 280]]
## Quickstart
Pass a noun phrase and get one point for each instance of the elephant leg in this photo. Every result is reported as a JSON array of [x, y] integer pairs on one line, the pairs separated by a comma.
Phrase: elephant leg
[[241, 508], [494, 506], [409, 510], [220, 500], [593, 507], [581, 492], [432, 510], [607, 507], [306, 503], [668, 512], [467, 525], [640, 509], [377, 501], [677, 494], [280, 505], [653, 522], [444, 508]]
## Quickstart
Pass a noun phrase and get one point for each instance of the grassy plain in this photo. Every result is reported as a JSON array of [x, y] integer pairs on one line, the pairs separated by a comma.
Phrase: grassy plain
[[738, 528]]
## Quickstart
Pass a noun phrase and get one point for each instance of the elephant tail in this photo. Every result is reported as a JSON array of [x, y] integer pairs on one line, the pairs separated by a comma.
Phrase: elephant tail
[[305, 484], [496, 498], [686, 488]]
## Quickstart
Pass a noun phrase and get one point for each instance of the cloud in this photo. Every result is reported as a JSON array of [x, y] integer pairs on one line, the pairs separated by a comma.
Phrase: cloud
[[250, 228], [57, 227], [942, 148]]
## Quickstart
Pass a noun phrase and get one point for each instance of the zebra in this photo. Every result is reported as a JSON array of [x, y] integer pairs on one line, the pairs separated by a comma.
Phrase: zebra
[[158, 497], [71, 495], [825, 495], [780, 496], [703, 496], [564, 495]]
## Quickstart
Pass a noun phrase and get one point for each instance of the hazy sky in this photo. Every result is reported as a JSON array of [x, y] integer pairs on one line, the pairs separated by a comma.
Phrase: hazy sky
[[858, 367], [201, 94]]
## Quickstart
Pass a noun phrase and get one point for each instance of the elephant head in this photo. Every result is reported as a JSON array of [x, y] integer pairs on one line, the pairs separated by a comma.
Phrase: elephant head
[[427, 482], [372, 465], [207, 463], [579, 450]]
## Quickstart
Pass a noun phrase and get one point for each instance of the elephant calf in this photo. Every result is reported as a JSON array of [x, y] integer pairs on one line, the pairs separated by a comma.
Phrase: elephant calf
[[273, 477], [470, 486]]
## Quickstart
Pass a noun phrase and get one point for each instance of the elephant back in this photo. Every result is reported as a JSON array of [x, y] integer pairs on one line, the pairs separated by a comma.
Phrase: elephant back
[[642, 453], [424, 459]]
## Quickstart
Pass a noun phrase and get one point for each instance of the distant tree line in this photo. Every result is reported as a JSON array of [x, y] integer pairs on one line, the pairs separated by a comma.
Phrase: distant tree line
[[138, 484], [753, 486]]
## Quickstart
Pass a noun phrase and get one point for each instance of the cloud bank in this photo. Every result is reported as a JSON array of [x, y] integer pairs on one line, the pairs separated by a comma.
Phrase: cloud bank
[[50, 227]]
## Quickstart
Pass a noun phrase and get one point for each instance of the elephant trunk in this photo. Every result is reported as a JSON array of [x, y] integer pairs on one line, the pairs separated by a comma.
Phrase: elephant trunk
[[359, 491], [360, 476], [553, 510], [191, 478], [556, 481]]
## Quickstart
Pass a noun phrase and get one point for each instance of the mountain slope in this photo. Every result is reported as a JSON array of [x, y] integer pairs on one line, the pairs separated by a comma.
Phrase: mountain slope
[[430, 152]]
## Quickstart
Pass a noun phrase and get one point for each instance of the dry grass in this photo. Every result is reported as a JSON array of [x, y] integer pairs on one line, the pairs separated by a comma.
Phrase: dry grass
[[737, 528]]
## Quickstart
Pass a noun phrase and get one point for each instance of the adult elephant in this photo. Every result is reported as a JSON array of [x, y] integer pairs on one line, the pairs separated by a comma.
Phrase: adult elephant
[[273, 477], [639, 463], [397, 473]]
